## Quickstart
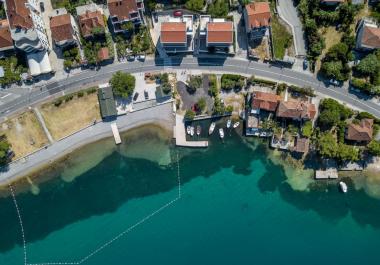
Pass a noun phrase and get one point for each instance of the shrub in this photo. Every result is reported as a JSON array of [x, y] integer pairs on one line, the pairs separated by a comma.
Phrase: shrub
[[57, 102], [189, 115], [91, 90], [307, 91], [195, 82], [265, 82], [69, 97], [229, 108], [80, 94], [307, 129], [231, 81]]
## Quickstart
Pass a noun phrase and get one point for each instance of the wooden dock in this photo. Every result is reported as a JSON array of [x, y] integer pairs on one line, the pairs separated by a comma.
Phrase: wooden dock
[[115, 132], [180, 135], [331, 173]]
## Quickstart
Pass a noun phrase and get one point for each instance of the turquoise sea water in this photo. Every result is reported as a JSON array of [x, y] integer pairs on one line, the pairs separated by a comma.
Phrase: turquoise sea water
[[120, 205]]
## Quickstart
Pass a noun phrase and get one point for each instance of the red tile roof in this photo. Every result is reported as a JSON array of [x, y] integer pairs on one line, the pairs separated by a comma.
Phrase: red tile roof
[[265, 101], [296, 110], [361, 132], [122, 8], [371, 37], [258, 14], [173, 32], [18, 14], [103, 54], [61, 28], [90, 20], [220, 32], [5, 34]]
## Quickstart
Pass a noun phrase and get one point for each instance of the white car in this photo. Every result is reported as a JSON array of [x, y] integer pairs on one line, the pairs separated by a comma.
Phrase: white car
[[141, 57]]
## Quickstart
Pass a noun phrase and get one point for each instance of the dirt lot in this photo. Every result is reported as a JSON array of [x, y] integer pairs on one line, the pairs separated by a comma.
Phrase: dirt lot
[[70, 116], [332, 37], [24, 133]]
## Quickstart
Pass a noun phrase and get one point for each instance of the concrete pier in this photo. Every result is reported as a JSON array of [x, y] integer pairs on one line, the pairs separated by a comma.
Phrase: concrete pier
[[180, 135], [115, 132]]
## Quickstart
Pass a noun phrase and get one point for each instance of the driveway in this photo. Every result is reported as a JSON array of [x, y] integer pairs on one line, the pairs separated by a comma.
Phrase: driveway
[[288, 12]]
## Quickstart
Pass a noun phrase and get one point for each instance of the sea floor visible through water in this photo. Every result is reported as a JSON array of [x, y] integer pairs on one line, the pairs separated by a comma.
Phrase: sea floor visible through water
[[148, 202]]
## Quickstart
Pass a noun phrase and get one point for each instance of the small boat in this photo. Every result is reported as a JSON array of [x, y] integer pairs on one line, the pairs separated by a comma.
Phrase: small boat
[[221, 133], [192, 131], [211, 129], [343, 186], [236, 124], [228, 123], [198, 130], [188, 129]]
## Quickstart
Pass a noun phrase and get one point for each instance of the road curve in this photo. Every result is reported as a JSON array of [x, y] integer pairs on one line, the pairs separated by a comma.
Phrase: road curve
[[226, 65]]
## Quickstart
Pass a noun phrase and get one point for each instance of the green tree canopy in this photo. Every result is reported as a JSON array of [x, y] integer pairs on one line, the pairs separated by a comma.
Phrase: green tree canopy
[[348, 153], [327, 145], [369, 66], [189, 115], [4, 147], [196, 5], [218, 8], [195, 82], [374, 148], [123, 84], [307, 129]]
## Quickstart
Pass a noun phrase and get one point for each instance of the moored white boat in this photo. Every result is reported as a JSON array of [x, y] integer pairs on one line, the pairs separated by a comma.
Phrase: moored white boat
[[192, 131], [198, 130], [221, 133], [211, 129], [343, 186], [228, 123], [236, 124], [188, 129]]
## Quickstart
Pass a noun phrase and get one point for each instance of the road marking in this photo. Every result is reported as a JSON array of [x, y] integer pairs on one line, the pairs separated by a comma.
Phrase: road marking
[[5, 95]]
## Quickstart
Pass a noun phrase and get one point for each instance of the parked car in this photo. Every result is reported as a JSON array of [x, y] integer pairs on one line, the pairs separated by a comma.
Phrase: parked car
[[146, 95], [335, 82], [135, 96], [141, 57], [177, 13], [305, 64], [131, 58]]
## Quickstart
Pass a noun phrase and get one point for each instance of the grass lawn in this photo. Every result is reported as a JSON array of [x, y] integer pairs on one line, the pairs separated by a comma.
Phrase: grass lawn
[[332, 37], [71, 115], [24, 133], [282, 39]]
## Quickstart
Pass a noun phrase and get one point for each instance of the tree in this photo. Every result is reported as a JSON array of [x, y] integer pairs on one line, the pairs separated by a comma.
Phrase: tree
[[329, 118], [4, 149], [195, 82], [327, 145], [218, 8], [128, 26], [231, 81], [374, 148], [189, 115], [333, 69], [196, 5], [348, 153], [219, 107], [369, 66], [122, 84], [307, 129], [202, 104]]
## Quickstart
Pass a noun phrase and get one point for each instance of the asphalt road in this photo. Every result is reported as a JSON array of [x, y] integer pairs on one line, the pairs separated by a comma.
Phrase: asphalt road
[[225, 65], [288, 11]]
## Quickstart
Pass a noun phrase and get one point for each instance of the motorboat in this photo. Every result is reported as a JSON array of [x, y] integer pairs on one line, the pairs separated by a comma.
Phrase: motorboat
[[192, 131], [188, 129], [198, 130], [211, 129], [221, 133], [343, 186], [228, 123], [236, 124]]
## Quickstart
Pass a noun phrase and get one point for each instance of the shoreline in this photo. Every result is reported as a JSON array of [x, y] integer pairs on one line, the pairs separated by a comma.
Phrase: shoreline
[[41, 159]]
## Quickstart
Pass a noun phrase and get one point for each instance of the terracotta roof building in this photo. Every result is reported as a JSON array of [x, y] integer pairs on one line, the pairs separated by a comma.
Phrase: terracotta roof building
[[6, 41], [297, 110], [264, 101], [301, 145], [361, 132], [62, 30], [368, 36], [257, 15], [173, 34], [90, 21], [18, 14], [122, 11], [26, 26], [219, 33], [103, 54]]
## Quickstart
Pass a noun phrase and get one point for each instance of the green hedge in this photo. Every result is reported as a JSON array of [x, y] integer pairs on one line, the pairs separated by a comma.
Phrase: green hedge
[[265, 82], [308, 91]]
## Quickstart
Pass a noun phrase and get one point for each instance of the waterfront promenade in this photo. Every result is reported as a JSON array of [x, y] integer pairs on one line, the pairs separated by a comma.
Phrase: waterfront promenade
[[160, 114]]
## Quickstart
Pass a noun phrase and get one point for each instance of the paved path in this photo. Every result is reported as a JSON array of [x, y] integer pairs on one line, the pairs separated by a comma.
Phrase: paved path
[[206, 64], [288, 12], [43, 124], [162, 114]]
